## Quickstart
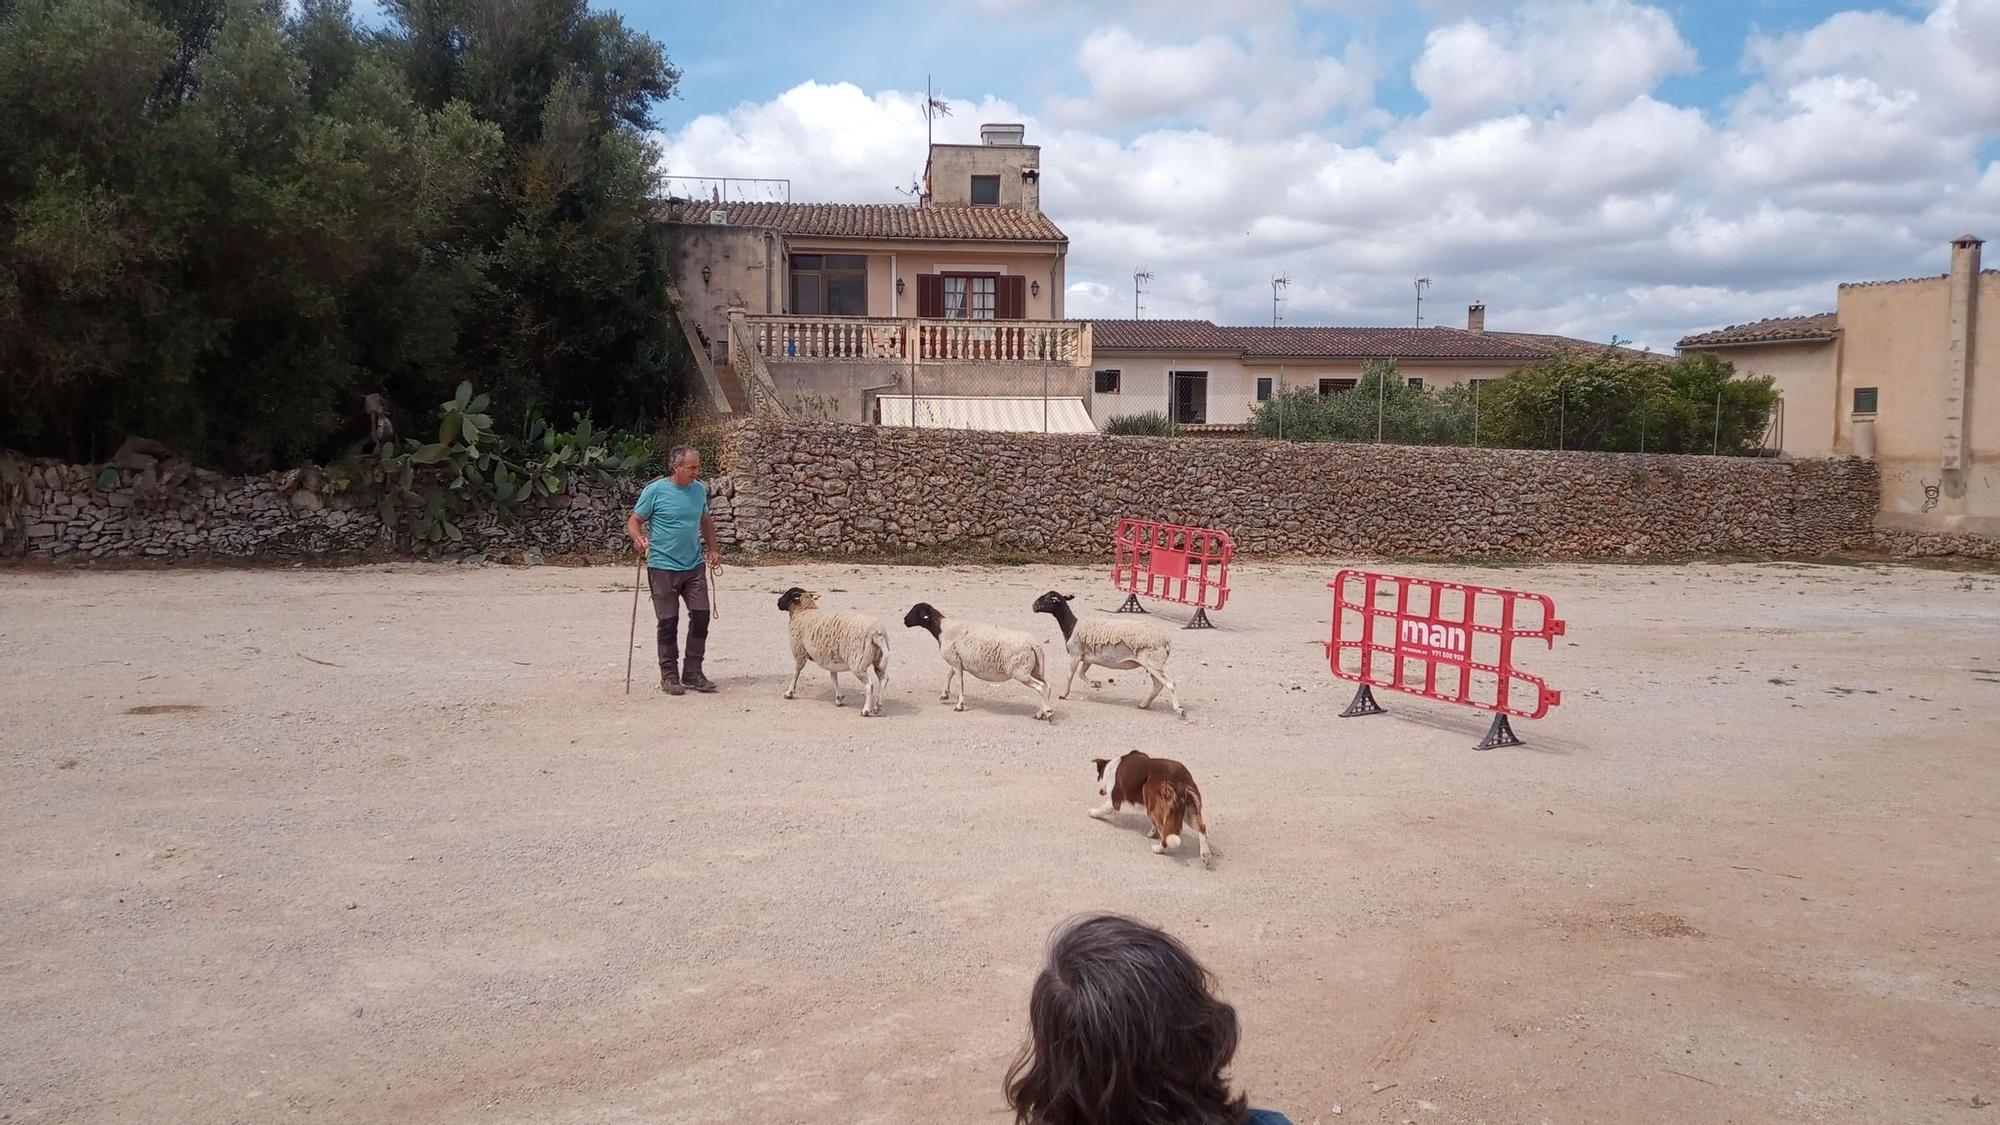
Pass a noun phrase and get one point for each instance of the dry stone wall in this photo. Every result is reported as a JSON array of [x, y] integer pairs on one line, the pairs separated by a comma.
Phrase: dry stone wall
[[66, 513], [823, 488], [840, 489]]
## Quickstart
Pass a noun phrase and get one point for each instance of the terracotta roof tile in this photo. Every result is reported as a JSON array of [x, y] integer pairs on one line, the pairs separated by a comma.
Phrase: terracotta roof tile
[[1771, 330], [1548, 341], [936, 221], [1333, 343], [1381, 343], [1160, 335]]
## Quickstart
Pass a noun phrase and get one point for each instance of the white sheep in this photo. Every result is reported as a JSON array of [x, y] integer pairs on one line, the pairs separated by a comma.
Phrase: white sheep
[[1112, 644], [837, 640], [990, 652]]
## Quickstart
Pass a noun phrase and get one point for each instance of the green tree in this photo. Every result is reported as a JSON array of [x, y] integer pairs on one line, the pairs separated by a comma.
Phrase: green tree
[[224, 222], [1607, 399], [1381, 402], [575, 318]]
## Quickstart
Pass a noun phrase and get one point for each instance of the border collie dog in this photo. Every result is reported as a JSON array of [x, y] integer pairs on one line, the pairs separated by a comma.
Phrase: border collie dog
[[1162, 787]]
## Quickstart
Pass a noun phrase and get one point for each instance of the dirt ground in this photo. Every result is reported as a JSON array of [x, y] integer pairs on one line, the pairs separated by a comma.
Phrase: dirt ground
[[391, 845]]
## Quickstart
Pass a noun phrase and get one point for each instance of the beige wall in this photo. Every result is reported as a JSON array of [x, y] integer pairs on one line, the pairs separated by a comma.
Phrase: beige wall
[[953, 166], [745, 267], [1806, 376], [1232, 382], [1143, 386], [886, 263], [1894, 338]]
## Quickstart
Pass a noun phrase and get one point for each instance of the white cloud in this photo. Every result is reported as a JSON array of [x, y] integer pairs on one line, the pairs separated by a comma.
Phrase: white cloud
[[1261, 80], [1568, 194], [1586, 58]]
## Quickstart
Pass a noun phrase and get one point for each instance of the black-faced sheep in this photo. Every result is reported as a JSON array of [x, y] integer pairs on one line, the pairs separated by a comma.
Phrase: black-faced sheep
[[1112, 644], [990, 652], [837, 640]]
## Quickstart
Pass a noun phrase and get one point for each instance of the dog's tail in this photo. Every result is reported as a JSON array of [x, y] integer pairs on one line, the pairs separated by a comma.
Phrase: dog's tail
[[1185, 805]]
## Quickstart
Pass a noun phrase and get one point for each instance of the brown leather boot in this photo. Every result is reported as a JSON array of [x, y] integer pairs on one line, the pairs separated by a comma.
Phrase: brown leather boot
[[692, 677]]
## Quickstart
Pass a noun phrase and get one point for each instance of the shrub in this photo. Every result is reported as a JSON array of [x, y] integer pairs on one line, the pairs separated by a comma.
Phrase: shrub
[[428, 488], [1153, 423]]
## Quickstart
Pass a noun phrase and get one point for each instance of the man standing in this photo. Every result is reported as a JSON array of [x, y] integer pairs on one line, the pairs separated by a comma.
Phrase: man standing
[[663, 527]]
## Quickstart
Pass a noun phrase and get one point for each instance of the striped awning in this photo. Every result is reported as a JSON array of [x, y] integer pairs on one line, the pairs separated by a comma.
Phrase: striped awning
[[1021, 415]]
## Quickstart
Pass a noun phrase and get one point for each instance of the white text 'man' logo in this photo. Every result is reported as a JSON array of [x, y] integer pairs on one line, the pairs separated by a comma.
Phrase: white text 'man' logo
[[1432, 635]]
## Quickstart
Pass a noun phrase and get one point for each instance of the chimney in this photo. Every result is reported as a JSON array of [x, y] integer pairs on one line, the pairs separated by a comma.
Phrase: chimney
[[1475, 317], [1002, 133], [1961, 321]]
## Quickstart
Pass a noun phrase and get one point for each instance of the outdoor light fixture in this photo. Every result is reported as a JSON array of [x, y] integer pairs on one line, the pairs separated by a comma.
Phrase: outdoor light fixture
[[899, 287], [1035, 287], [706, 273]]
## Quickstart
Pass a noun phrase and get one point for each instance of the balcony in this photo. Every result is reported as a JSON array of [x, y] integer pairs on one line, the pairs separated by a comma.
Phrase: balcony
[[912, 340]]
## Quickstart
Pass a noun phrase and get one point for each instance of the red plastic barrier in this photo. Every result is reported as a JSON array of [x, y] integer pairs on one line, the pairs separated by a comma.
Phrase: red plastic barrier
[[1171, 562], [1441, 640]]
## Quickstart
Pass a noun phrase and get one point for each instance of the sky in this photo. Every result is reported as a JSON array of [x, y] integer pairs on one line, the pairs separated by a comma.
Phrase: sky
[[1596, 168]]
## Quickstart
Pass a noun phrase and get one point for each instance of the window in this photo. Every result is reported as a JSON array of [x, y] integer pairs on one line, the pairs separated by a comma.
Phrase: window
[[1107, 381], [972, 296], [968, 296], [1330, 387], [1417, 381], [1190, 397], [830, 284], [1864, 400], [1263, 388], [986, 189]]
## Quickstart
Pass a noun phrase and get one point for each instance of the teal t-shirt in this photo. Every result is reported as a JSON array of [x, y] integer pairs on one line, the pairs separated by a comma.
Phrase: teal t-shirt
[[673, 523]]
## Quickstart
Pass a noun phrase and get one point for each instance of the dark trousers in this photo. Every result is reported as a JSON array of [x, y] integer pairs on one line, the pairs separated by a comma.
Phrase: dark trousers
[[670, 588]]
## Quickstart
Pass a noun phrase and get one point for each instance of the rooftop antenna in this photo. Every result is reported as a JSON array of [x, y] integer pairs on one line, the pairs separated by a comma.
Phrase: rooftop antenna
[[1423, 283], [1139, 280], [1280, 281], [935, 106]]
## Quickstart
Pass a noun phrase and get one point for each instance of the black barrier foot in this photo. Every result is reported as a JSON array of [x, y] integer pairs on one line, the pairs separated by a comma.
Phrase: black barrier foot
[[1199, 620], [1363, 704], [1501, 733], [1131, 605]]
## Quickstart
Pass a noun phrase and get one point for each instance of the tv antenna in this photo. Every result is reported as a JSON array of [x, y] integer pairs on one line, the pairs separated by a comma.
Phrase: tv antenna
[[1279, 281], [1423, 283], [1139, 280]]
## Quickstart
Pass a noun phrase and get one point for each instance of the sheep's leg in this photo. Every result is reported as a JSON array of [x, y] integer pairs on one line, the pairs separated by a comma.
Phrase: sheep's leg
[[960, 705], [836, 686], [871, 682], [1158, 673], [793, 691], [1083, 666], [1071, 681], [1041, 690], [945, 695]]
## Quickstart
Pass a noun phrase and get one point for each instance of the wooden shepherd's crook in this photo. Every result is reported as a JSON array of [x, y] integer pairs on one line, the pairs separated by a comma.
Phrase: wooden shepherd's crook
[[632, 640]]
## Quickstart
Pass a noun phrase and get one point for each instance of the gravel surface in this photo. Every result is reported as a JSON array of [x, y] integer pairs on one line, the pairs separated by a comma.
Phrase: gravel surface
[[391, 845]]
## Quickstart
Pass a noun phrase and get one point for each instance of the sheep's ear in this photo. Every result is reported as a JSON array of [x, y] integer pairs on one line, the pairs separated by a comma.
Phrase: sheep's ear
[[1069, 597]]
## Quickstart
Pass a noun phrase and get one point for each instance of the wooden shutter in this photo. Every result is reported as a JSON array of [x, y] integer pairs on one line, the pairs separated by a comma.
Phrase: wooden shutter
[[1010, 301], [930, 295]]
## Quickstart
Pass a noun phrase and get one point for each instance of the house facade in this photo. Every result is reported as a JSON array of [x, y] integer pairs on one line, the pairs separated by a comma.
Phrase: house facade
[[1903, 373], [1203, 374], [840, 305], [1798, 353]]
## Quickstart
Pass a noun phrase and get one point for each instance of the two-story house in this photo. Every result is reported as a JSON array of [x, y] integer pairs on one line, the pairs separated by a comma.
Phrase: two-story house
[[948, 311]]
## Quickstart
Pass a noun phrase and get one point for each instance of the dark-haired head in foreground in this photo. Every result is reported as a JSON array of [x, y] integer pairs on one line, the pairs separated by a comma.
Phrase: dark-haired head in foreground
[[1125, 1030]]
